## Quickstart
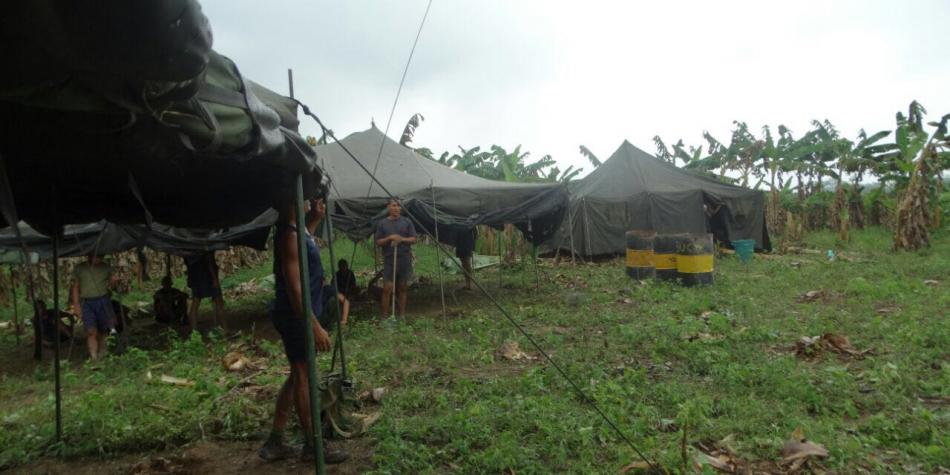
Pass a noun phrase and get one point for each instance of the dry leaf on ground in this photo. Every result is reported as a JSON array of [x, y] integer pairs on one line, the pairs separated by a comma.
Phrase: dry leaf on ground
[[176, 381], [235, 361], [798, 450], [372, 395], [641, 465], [511, 351], [811, 296], [724, 462], [931, 282]]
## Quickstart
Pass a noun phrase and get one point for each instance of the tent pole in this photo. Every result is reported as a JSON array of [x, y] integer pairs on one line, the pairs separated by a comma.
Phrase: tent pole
[[16, 316], [570, 224], [587, 228], [336, 300], [59, 392], [435, 218], [316, 434], [534, 257]]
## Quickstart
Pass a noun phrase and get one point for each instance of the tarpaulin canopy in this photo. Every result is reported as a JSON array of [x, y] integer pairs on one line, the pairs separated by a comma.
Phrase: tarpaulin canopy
[[634, 190], [460, 200], [121, 111], [104, 238]]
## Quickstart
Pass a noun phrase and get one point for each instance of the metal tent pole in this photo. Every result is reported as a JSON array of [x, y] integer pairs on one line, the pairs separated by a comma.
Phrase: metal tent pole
[[16, 316], [317, 439], [58, 382], [316, 432], [570, 224], [336, 300], [435, 219]]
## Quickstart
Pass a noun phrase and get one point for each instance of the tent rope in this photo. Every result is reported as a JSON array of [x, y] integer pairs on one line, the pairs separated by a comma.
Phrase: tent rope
[[580, 392], [402, 81]]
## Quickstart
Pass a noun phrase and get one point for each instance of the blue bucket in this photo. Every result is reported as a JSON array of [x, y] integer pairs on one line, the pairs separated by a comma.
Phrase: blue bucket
[[745, 248]]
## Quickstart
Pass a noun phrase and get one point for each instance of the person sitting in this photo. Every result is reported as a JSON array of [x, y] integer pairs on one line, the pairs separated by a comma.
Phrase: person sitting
[[170, 304], [52, 326], [346, 280], [329, 317]]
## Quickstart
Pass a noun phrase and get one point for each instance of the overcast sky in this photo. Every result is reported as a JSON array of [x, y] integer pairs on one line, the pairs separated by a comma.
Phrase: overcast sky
[[554, 75]]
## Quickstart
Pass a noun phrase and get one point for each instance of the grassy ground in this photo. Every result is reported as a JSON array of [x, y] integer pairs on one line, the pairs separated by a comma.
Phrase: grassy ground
[[714, 366]]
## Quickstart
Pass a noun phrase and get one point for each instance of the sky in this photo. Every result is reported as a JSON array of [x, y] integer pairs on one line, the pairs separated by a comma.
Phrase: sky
[[553, 75]]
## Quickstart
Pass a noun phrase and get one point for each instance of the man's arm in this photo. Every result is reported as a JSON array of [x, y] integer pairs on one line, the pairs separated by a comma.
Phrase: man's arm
[[381, 238], [411, 237], [291, 270], [74, 296], [213, 269]]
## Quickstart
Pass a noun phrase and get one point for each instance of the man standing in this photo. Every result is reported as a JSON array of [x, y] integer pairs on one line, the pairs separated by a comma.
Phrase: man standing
[[395, 234], [464, 249], [203, 281], [92, 302], [291, 320]]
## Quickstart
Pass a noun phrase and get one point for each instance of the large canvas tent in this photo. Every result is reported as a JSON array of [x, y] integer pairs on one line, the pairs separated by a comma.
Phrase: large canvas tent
[[634, 190], [460, 200], [135, 121]]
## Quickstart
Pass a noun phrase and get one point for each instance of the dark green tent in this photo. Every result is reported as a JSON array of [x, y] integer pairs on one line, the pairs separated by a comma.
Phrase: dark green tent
[[461, 200], [135, 120], [634, 190]]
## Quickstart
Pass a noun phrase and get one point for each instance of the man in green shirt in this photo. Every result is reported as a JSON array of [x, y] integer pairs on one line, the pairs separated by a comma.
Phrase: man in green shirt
[[92, 301]]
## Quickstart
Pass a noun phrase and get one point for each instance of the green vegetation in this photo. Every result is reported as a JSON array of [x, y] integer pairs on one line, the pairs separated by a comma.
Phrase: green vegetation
[[719, 361]]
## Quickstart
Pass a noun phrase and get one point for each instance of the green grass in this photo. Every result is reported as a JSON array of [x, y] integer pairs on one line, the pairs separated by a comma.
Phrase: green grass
[[455, 405]]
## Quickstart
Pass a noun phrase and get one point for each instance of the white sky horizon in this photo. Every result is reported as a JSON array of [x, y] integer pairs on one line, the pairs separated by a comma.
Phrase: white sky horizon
[[551, 76]]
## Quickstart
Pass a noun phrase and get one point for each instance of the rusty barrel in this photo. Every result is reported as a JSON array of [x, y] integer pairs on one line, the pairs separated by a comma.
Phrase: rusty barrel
[[694, 259], [640, 254], [665, 247]]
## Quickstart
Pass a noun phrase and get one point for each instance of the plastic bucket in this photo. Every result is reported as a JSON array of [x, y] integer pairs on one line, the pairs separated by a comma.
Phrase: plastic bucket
[[745, 249], [640, 254]]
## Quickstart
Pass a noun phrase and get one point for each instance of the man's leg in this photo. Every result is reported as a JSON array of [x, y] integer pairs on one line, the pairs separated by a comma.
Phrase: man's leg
[[219, 311], [193, 314], [92, 343], [275, 448], [402, 290], [344, 308], [467, 265], [101, 340], [386, 301], [302, 400]]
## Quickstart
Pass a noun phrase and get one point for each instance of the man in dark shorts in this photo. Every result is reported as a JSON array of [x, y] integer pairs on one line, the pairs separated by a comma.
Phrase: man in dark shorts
[[464, 248], [203, 282], [291, 321], [170, 304], [395, 234], [91, 300]]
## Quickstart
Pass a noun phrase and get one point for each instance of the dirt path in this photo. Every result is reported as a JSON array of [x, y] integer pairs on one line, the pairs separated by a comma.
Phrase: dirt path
[[212, 458]]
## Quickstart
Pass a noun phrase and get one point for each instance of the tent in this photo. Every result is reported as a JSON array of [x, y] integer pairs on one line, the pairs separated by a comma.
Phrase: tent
[[135, 121], [104, 238], [634, 190], [460, 200]]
